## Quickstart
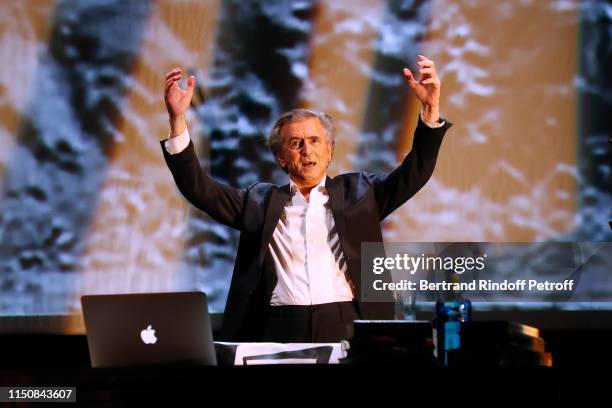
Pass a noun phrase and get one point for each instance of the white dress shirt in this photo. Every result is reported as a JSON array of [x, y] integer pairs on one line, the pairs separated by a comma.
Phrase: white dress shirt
[[305, 246]]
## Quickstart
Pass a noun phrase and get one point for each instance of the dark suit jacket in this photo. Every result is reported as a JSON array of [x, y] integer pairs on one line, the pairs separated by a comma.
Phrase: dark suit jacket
[[358, 201]]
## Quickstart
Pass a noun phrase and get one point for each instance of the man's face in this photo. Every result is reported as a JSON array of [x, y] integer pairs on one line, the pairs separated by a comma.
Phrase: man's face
[[305, 153]]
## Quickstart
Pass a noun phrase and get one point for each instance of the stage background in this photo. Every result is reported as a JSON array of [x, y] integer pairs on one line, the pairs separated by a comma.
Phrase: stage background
[[87, 204]]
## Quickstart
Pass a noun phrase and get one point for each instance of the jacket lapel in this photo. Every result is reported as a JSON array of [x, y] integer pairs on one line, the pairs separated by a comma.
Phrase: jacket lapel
[[335, 189], [278, 199]]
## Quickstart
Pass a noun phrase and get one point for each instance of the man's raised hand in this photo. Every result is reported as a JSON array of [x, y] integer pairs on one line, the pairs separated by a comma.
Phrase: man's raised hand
[[177, 100], [426, 88]]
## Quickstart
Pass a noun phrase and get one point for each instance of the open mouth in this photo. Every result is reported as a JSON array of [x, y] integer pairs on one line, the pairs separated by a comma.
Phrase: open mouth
[[309, 164]]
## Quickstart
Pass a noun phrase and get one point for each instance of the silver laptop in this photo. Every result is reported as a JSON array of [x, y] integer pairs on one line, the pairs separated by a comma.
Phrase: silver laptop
[[150, 328]]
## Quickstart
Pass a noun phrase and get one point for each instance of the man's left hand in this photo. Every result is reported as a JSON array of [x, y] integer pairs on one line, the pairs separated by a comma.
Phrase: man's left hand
[[427, 88]]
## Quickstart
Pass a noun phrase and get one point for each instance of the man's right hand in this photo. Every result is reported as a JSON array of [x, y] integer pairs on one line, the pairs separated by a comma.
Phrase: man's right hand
[[177, 100]]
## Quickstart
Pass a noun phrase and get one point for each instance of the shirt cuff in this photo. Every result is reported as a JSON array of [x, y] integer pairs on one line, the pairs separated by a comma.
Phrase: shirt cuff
[[432, 125], [177, 144]]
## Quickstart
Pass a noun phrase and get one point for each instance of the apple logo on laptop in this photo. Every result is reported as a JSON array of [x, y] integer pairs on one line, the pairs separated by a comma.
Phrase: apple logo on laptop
[[148, 335]]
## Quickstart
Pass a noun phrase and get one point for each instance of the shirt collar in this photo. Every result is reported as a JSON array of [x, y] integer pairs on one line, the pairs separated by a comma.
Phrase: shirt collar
[[319, 187]]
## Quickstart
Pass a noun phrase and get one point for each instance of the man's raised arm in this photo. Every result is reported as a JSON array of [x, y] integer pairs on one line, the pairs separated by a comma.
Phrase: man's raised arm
[[415, 170], [223, 203]]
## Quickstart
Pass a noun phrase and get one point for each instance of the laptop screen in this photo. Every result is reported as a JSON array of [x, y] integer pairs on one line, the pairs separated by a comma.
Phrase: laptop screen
[[148, 329]]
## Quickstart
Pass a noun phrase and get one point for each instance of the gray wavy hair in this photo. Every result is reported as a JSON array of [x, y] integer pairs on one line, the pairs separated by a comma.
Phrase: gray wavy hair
[[275, 141]]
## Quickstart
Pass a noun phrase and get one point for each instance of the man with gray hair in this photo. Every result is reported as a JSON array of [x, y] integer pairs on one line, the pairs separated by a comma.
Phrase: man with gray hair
[[297, 273]]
